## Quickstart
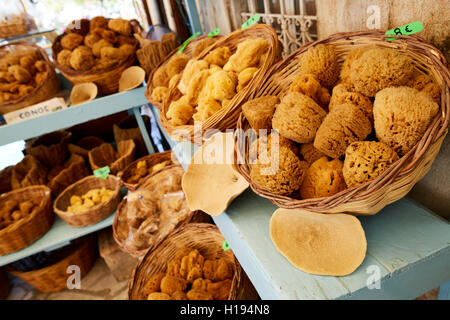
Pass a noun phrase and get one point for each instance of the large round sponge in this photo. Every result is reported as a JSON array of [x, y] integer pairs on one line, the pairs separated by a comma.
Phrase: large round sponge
[[321, 61]]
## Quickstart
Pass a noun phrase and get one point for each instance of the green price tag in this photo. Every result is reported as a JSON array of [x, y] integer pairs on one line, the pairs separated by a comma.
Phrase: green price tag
[[225, 245], [213, 33], [187, 41], [102, 172], [251, 21], [405, 30]]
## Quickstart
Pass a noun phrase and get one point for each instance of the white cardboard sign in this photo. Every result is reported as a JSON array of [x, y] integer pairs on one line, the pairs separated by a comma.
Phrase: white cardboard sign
[[35, 110]]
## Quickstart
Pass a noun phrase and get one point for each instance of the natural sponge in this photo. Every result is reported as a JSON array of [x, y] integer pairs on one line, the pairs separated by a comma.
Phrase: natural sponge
[[310, 153], [180, 112], [298, 117], [279, 171], [259, 112], [379, 68], [323, 179], [323, 244], [425, 83], [366, 160], [247, 54], [310, 86], [341, 127], [346, 66], [342, 94], [401, 117], [321, 61]]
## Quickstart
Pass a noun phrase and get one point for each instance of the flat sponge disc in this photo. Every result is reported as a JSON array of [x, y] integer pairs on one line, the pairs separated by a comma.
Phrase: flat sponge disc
[[322, 244]]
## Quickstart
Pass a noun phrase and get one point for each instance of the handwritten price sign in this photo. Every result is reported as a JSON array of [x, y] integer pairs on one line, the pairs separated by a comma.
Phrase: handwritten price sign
[[407, 29]]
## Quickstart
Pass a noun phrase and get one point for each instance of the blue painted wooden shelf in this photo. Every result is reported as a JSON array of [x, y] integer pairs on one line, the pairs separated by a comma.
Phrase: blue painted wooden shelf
[[407, 244]]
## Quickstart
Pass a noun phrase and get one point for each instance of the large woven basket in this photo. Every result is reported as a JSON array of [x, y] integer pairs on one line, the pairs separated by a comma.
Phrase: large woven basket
[[188, 50], [55, 277], [27, 230], [394, 183], [226, 117], [204, 237], [107, 80], [96, 213], [5, 286], [47, 89], [51, 148], [151, 159]]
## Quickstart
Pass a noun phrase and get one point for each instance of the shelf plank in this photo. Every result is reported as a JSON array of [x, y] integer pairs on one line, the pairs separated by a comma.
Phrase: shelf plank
[[407, 244], [71, 116], [59, 234]]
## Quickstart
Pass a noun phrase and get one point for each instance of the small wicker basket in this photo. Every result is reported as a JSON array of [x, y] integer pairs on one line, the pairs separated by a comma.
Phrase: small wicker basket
[[151, 160], [55, 277], [47, 89], [27, 230], [95, 214], [5, 286], [51, 148], [394, 183], [204, 237], [226, 117]]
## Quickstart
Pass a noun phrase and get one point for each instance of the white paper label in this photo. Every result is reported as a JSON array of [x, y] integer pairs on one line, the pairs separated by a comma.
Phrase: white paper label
[[36, 110]]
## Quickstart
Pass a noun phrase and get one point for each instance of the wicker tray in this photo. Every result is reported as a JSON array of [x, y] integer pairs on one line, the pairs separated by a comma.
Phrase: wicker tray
[[96, 213], [394, 183], [151, 160], [54, 278], [204, 237], [27, 230], [47, 89]]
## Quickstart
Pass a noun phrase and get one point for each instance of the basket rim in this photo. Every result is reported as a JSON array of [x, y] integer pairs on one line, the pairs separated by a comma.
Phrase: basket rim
[[48, 63], [437, 128]]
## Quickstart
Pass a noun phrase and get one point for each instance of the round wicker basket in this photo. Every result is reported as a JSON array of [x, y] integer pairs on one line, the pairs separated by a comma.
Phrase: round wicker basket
[[96, 213], [55, 277], [47, 89], [204, 237], [151, 160], [27, 230], [394, 183], [107, 80], [226, 117]]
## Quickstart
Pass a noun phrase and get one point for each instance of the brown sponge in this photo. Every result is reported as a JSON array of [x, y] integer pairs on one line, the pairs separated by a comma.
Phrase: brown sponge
[[366, 160], [323, 179], [321, 61], [298, 117], [401, 117], [309, 153], [341, 127], [310, 86], [259, 112], [342, 94]]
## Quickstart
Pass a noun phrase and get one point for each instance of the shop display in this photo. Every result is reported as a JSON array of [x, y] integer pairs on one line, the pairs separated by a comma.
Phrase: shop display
[[362, 117], [83, 92], [31, 219], [323, 244], [96, 51], [26, 76], [106, 155], [190, 276], [211, 184], [148, 214], [88, 200]]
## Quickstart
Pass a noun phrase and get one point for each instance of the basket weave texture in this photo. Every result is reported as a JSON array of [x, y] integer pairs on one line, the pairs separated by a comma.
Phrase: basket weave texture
[[47, 89], [226, 117], [27, 230], [204, 237], [96, 213], [397, 181]]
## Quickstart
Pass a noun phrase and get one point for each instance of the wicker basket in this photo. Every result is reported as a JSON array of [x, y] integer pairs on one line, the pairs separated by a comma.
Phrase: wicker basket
[[121, 211], [95, 214], [151, 160], [84, 145], [129, 129], [28, 172], [105, 155], [395, 182], [107, 80], [207, 239], [47, 89], [75, 170], [226, 117], [55, 277], [51, 148], [188, 50], [5, 286], [27, 230]]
